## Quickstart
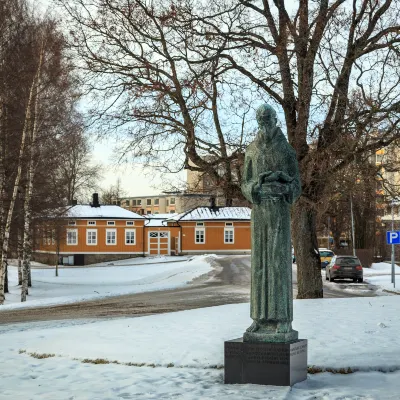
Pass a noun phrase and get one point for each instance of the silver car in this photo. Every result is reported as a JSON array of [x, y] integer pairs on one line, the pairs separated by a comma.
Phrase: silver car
[[344, 267]]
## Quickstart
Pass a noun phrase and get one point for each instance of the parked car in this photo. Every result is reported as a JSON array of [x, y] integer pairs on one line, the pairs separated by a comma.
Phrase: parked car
[[326, 256], [344, 267]]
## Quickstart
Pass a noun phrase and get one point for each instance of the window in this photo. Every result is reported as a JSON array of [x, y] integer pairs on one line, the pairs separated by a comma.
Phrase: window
[[172, 211], [228, 223], [156, 202], [199, 236], [72, 237], [111, 223], [130, 223], [53, 237], [71, 222], [172, 200], [91, 222], [199, 223], [139, 202], [149, 202], [127, 203], [167, 202], [229, 235], [134, 202], [91, 237], [111, 236], [130, 236]]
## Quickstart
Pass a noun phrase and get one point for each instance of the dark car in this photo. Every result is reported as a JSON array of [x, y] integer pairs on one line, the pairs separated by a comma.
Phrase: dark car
[[344, 267]]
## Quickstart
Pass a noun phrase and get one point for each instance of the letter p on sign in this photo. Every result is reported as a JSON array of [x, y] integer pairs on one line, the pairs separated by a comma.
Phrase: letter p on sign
[[393, 237]]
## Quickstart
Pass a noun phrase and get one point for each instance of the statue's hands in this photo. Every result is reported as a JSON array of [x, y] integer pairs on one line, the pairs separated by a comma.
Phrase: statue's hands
[[266, 176], [256, 193], [277, 176]]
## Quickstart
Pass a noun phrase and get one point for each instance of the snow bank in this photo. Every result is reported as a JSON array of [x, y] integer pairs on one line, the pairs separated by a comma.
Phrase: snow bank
[[119, 278], [380, 275]]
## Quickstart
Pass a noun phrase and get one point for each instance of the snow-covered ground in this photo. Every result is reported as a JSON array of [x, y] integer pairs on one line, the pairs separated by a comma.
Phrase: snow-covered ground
[[380, 275], [104, 280], [181, 354]]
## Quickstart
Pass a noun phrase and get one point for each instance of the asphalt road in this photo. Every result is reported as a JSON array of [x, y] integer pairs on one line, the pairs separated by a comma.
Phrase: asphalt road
[[228, 283]]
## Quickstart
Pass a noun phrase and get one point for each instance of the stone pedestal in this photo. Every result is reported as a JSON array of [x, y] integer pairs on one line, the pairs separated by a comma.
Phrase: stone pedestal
[[279, 364]]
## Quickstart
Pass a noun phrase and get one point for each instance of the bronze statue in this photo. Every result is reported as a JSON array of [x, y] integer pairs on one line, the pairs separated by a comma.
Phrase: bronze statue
[[271, 181]]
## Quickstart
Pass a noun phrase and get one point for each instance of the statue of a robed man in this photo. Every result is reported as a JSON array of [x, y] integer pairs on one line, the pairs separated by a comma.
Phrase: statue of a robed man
[[271, 182]]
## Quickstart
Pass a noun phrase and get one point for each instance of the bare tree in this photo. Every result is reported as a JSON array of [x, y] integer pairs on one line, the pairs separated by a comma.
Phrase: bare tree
[[78, 175], [332, 67], [171, 71], [176, 113]]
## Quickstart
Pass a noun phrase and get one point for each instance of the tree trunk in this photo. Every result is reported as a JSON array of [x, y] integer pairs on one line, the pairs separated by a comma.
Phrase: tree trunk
[[7, 228], [57, 258], [19, 252], [27, 245], [305, 242], [6, 280]]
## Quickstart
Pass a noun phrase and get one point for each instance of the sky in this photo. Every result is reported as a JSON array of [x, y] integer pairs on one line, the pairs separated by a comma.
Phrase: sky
[[135, 181]]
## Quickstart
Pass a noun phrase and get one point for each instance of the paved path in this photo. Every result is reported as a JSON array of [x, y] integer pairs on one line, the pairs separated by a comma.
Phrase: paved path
[[228, 283]]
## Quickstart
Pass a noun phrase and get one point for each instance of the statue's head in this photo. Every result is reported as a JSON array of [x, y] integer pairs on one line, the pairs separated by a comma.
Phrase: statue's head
[[266, 118]]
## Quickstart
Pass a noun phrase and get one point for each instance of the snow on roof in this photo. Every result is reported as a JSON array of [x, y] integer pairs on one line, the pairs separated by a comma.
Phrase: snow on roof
[[217, 213], [161, 216], [155, 222], [388, 218], [115, 212]]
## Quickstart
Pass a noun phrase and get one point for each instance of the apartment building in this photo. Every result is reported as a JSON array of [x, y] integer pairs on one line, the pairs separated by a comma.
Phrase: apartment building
[[166, 203]]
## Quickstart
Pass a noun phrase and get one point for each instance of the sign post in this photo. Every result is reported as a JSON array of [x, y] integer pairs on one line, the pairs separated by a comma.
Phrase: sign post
[[394, 285], [393, 237]]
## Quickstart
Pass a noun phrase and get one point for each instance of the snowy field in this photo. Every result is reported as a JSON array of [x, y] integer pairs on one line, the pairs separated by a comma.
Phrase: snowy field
[[104, 280], [180, 355]]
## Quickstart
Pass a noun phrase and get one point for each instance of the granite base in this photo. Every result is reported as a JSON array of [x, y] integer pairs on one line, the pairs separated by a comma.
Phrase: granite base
[[278, 364]]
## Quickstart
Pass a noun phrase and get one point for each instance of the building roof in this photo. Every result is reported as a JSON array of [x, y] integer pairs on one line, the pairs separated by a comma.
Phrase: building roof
[[161, 216], [158, 220], [109, 212], [216, 213]]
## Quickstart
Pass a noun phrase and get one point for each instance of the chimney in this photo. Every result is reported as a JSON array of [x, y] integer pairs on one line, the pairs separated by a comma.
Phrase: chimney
[[212, 202], [95, 202]]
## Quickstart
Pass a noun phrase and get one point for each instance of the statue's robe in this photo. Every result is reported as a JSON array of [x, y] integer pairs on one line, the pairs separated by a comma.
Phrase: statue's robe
[[271, 258]]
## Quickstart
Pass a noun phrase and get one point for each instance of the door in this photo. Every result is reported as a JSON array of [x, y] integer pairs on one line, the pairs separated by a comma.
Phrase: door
[[159, 243]]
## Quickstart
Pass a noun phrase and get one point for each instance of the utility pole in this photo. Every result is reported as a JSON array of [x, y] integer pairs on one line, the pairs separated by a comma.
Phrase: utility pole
[[329, 230], [352, 226]]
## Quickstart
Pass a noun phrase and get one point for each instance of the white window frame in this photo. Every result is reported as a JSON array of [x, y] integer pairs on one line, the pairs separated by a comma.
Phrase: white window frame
[[149, 202], [110, 223], [76, 238], [233, 235], [195, 235], [200, 224], [72, 223], [130, 223], [111, 231], [91, 223], [134, 237], [87, 237], [156, 202]]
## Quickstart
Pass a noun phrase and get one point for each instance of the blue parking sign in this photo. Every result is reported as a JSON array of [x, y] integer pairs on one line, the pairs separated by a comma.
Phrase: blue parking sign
[[393, 237]]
